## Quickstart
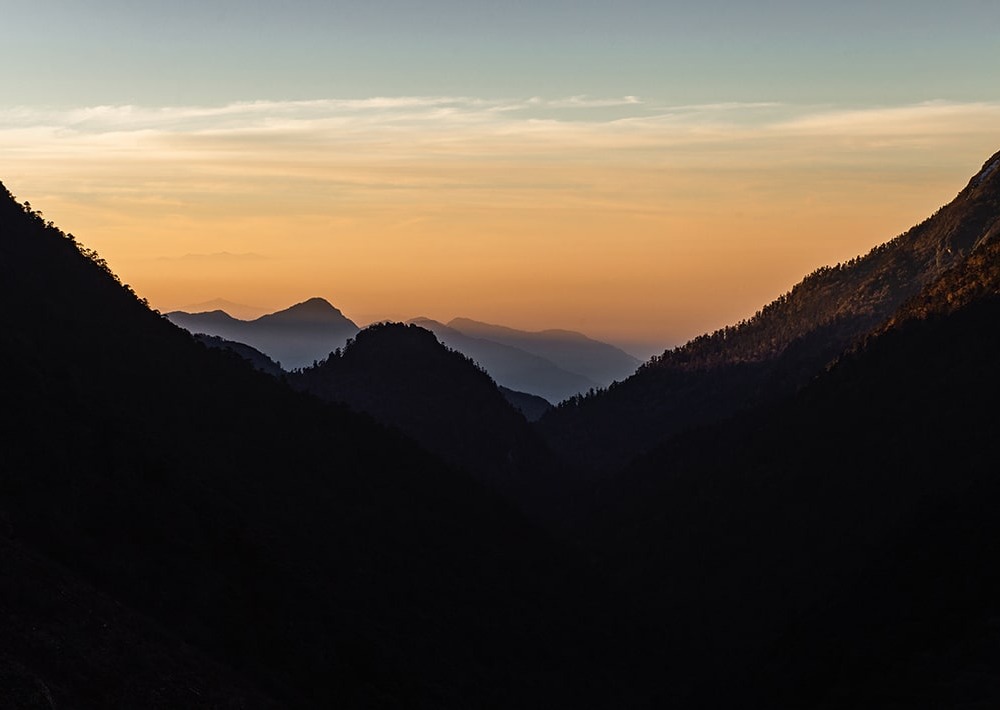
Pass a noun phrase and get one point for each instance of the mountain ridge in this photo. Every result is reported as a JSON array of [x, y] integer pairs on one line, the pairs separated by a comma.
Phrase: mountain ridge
[[837, 543], [311, 310], [782, 346], [241, 311], [295, 336], [599, 362]]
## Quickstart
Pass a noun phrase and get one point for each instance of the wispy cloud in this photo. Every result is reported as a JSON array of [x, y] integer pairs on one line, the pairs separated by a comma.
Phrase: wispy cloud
[[929, 118], [436, 193], [264, 114], [408, 124], [616, 153]]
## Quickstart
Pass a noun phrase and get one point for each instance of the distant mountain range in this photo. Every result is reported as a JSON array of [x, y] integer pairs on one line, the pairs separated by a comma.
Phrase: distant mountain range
[[573, 352], [552, 364], [236, 310], [295, 337]]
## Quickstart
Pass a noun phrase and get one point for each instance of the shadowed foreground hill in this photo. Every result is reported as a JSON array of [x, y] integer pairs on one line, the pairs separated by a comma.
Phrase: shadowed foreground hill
[[311, 556], [783, 346], [401, 375], [839, 549]]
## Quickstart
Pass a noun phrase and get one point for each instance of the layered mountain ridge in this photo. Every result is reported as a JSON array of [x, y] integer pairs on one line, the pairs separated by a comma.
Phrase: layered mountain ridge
[[552, 364], [295, 337], [599, 362]]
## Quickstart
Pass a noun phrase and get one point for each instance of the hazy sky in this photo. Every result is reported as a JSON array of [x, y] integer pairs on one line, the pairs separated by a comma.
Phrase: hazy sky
[[643, 171]]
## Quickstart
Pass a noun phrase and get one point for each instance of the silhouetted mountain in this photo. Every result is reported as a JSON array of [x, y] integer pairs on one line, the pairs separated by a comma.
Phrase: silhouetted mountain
[[784, 345], [401, 375], [530, 405], [209, 320], [510, 366], [296, 337], [203, 509], [575, 352], [255, 357], [309, 312], [838, 549]]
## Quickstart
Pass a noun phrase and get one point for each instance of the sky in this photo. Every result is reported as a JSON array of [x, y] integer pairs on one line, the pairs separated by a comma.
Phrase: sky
[[640, 171]]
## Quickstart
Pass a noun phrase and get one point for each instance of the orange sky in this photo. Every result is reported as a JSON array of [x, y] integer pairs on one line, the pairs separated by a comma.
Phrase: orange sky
[[644, 227]]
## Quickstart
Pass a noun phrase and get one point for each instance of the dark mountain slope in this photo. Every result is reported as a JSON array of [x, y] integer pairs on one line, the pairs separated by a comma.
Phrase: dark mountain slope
[[67, 645], [402, 376], [296, 337], [575, 352], [782, 346], [321, 559], [836, 550]]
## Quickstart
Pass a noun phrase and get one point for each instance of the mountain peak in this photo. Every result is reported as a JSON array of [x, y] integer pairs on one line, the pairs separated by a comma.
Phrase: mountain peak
[[313, 310], [315, 304], [404, 377], [294, 337]]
